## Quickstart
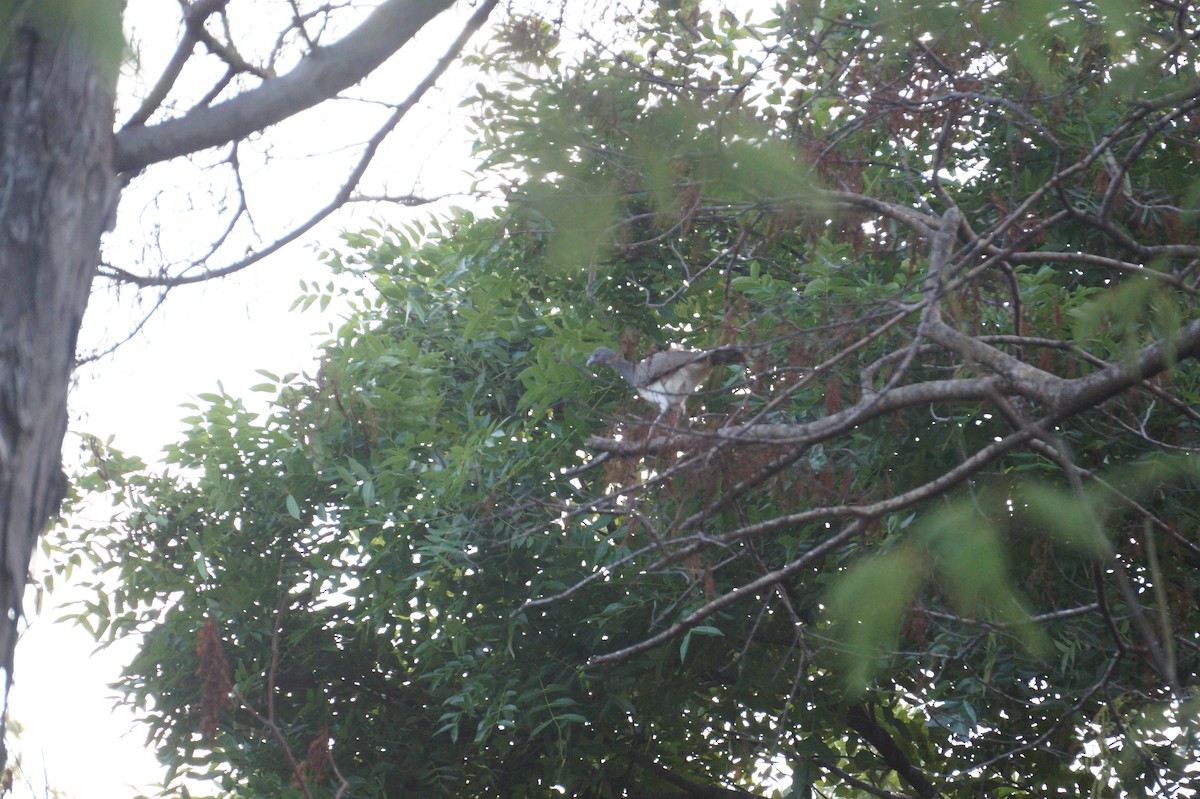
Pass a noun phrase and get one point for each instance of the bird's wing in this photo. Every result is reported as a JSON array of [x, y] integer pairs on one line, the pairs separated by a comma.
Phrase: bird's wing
[[662, 365]]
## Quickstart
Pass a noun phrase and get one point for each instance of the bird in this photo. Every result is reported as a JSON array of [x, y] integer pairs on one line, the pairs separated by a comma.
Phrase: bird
[[669, 377]]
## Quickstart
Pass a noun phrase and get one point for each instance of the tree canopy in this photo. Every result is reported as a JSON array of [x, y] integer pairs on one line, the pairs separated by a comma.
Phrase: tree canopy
[[939, 538]]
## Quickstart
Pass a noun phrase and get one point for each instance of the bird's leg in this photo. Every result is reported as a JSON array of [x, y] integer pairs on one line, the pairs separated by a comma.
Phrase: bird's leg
[[667, 417], [653, 427], [679, 416]]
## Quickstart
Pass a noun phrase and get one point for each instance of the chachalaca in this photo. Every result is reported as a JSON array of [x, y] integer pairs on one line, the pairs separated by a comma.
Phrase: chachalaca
[[669, 377]]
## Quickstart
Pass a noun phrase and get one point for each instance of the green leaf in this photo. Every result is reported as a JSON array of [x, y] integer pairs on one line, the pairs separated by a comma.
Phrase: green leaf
[[1073, 520], [866, 606]]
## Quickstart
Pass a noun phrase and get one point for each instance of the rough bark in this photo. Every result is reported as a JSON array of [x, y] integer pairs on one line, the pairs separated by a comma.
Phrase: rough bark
[[57, 189]]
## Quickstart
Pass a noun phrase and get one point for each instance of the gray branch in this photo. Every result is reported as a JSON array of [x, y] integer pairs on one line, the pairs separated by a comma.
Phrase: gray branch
[[320, 76]]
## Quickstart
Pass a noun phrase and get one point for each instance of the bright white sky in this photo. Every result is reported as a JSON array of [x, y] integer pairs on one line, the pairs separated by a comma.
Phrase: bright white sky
[[72, 738]]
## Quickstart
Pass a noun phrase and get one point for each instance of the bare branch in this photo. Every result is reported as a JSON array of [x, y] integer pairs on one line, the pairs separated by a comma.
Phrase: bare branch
[[344, 193], [320, 76], [193, 25], [749, 589]]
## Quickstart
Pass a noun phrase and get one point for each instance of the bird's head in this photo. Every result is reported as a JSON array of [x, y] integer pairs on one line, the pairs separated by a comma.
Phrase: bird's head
[[604, 356]]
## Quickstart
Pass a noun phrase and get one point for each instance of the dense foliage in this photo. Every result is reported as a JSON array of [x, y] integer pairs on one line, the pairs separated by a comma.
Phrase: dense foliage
[[939, 539]]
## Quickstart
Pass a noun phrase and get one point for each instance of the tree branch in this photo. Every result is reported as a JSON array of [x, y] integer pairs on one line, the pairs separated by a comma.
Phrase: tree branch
[[692, 619], [194, 16], [318, 77], [1086, 391], [691, 789], [854, 782], [1065, 397], [873, 733], [344, 192]]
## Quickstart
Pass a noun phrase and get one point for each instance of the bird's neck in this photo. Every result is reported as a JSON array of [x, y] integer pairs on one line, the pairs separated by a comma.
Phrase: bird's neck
[[624, 369]]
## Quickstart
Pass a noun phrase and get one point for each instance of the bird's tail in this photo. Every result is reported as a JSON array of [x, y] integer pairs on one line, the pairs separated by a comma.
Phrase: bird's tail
[[723, 355]]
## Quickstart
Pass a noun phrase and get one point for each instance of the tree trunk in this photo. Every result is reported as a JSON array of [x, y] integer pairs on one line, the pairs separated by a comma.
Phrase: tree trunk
[[57, 190]]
